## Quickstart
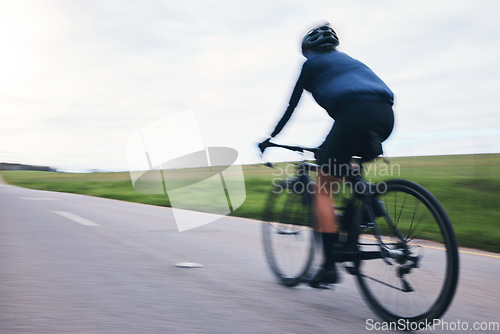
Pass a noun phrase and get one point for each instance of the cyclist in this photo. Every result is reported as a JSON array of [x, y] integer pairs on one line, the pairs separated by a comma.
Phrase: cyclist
[[361, 105]]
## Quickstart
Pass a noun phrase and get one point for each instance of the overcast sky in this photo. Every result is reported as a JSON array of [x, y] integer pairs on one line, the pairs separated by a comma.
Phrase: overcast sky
[[78, 78]]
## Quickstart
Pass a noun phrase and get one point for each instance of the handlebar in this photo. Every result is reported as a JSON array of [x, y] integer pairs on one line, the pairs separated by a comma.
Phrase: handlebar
[[267, 143]]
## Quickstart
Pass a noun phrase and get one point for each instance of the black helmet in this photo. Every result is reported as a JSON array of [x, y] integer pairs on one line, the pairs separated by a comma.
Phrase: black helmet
[[321, 38]]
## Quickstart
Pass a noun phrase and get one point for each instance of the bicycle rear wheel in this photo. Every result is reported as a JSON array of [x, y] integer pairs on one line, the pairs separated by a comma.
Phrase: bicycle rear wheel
[[419, 284], [288, 233]]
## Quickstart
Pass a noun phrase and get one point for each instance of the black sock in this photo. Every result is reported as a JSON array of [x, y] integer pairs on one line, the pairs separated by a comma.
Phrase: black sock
[[329, 241]]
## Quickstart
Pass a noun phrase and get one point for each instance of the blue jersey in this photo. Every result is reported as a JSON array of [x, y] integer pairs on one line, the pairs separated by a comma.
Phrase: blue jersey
[[334, 79]]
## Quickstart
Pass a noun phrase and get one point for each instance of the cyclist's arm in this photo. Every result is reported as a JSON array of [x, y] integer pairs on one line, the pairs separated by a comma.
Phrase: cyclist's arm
[[294, 100]]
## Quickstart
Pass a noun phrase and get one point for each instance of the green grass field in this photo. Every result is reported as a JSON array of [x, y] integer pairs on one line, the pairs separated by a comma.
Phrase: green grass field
[[468, 187]]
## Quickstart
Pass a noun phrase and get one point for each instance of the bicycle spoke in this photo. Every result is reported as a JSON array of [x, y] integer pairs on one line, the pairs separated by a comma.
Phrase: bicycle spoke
[[383, 283], [412, 225], [401, 210], [398, 285]]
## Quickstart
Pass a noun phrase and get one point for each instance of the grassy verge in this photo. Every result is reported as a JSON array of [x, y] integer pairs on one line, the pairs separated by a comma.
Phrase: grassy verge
[[468, 187]]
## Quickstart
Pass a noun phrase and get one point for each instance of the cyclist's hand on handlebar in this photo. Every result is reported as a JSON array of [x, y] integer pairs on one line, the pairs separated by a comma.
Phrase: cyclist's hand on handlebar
[[317, 153], [265, 144]]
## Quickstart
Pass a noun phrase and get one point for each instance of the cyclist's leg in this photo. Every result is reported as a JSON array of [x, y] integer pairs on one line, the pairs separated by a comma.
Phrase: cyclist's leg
[[327, 185], [327, 222], [328, 226]]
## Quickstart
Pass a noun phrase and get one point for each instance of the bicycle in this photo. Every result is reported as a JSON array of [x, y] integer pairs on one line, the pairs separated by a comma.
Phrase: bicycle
[[394, 236]]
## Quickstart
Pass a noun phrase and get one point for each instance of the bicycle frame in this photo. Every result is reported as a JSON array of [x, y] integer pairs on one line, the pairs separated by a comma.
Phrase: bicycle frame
[[352, 226]]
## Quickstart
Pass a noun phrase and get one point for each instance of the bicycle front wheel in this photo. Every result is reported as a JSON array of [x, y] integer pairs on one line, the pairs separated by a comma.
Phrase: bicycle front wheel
[[419, 283], [288, 233]]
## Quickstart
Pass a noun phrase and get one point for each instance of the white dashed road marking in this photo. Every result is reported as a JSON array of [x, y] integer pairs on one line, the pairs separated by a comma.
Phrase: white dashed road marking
[[37, 198], [76, 218], [189, 265]]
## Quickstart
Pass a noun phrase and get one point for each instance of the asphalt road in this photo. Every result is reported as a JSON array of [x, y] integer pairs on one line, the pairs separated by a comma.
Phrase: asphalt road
[[79, 264]]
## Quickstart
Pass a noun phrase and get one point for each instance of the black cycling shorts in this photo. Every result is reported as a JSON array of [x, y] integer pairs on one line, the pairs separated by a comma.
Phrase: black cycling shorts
[[350, 134]]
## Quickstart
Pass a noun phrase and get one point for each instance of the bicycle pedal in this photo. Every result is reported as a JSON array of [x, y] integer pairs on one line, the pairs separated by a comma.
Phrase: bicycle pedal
[[322, 286], [351, 270]]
